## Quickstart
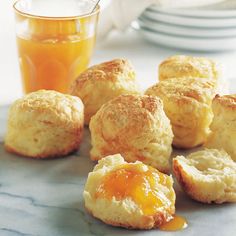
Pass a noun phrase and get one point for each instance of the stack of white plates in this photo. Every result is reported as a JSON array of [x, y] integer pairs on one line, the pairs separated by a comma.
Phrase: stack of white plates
[[211, 28]]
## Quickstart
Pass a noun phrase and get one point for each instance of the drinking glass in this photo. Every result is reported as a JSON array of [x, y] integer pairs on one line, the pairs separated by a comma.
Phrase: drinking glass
[[55, 42]]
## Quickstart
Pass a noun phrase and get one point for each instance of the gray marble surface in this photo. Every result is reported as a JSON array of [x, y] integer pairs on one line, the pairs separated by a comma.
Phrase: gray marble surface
[[44, 197]]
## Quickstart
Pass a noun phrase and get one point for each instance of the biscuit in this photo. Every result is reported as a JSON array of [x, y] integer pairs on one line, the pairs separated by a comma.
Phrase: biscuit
[[44, 124], [181, 66], [223, 127], [187, 66], [187, 103], [130, 195], [134, 126], [100, 83], [207, 176]]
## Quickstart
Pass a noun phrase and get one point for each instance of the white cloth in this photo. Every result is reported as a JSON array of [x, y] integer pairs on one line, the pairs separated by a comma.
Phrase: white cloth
[[120, 13]]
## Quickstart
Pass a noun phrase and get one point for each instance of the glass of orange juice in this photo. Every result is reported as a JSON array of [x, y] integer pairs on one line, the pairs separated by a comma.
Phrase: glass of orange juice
[[55, 41]]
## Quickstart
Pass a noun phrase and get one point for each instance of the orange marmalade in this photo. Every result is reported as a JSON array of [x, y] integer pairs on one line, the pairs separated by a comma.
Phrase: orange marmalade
[[131, 181], [177, 223]]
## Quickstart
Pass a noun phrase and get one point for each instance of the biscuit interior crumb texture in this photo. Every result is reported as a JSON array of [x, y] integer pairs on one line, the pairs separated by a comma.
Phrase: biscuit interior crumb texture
[[207, 176]]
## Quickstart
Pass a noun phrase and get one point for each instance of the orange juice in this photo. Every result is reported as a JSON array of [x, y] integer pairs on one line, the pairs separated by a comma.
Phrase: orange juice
[[47, 65], [53, 51]]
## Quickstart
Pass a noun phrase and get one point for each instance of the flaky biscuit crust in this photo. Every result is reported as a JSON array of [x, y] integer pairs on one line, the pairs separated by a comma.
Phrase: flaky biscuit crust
[[123, 213], [181, 66], [135, 126], [223, 127], [45, 124], [187, 66], [208, 176], [187, 103], [227, 101], [100, 83]]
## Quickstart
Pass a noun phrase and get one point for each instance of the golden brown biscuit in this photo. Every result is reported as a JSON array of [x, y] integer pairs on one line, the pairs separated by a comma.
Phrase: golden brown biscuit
[[207, 176], [187, 103], [135, 126], [223, 127], [100, 83], [181, 66], [45, 124], [187, 66], [130, 195]]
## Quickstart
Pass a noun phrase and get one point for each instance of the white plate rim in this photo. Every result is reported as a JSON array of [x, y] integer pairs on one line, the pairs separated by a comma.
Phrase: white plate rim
[[186, 31], [179, 42], [198, 13], [191, 22]]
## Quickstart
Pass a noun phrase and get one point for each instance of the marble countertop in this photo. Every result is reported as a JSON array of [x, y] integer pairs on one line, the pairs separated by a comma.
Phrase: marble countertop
[[44, 197]]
